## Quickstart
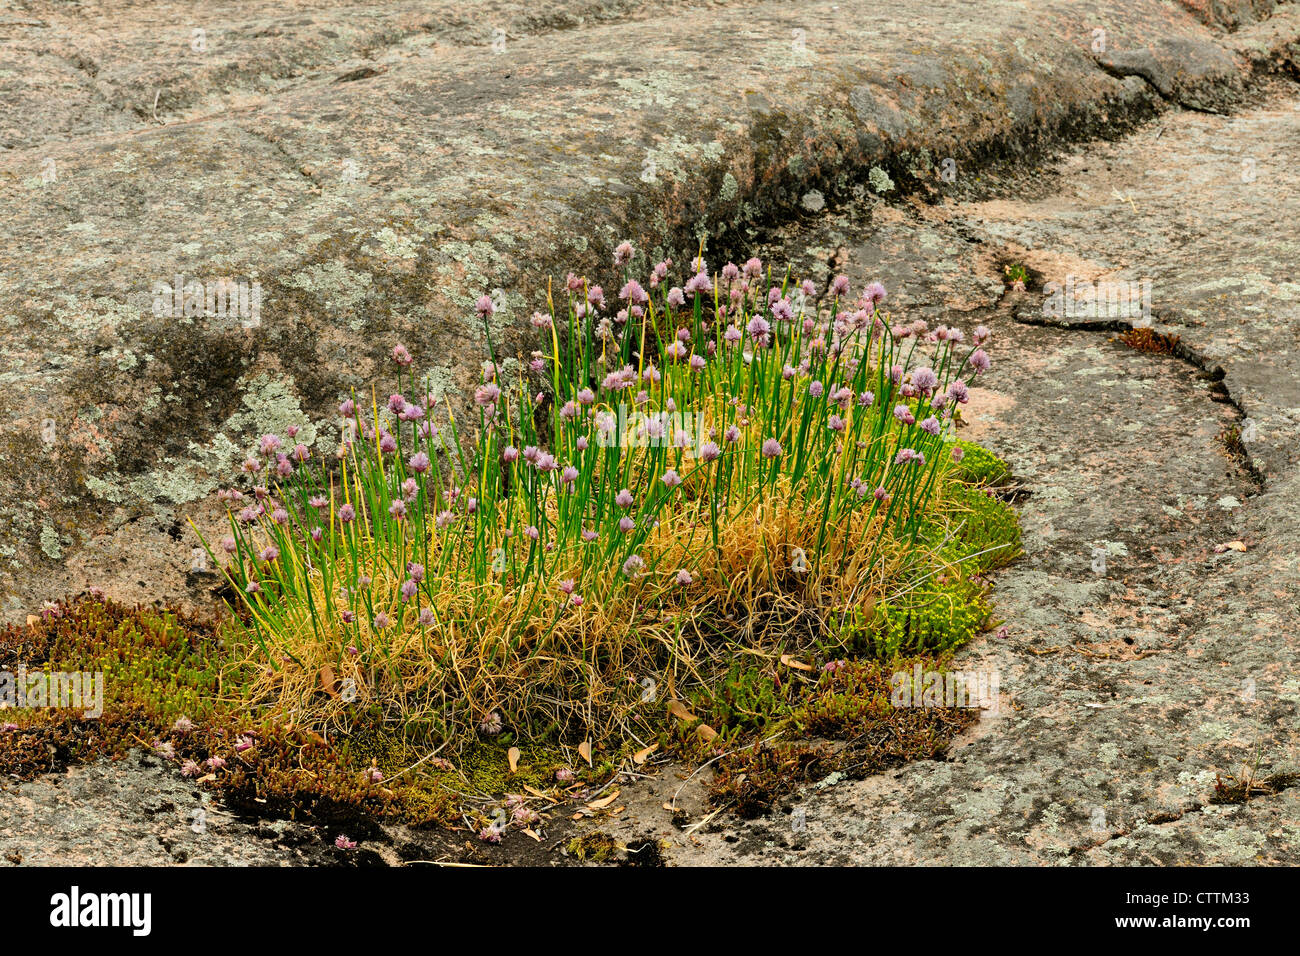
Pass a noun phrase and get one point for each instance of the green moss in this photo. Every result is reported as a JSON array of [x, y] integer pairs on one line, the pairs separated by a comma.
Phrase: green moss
[[596, 847], [935, 615], [160, 667], [980, 466], [981, 531]]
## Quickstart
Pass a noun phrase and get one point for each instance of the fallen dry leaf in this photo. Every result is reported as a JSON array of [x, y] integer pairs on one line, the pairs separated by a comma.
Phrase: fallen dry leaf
[[533, 835], [789, 661], [679, 710], [584, 751], [1230, 546], [640, 756], [512, 755], [328, 680], [705, 731], [603, 802]]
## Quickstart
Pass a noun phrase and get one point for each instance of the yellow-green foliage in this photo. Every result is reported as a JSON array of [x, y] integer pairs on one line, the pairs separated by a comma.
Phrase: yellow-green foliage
[[979, 465], [984, 532]]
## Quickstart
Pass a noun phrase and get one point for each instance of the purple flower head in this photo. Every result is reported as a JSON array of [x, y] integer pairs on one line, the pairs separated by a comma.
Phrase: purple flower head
[[930, 425], [698, 284], [269, 444], [626, 524], [633, 565], [709, 451], [924, 380], [623, 499], [771, 448], [409, 589], [487, 394], [982, 334], [684, 577], [958, 392], [633, 294], [347, 513], [398, 509], [623, 253], [979, 361], [840, 286], [401, 356], [419, 463], [485, 306], [671, 478]]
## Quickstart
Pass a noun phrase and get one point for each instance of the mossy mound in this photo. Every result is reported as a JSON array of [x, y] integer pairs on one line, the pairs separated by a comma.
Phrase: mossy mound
[[979, 466]]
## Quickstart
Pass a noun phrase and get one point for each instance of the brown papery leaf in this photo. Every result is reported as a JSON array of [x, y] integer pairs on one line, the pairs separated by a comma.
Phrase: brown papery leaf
[[679, 710], [603, 802], [328, 680]]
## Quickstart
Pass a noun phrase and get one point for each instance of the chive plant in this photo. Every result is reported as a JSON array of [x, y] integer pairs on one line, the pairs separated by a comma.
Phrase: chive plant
[[500, 556]]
